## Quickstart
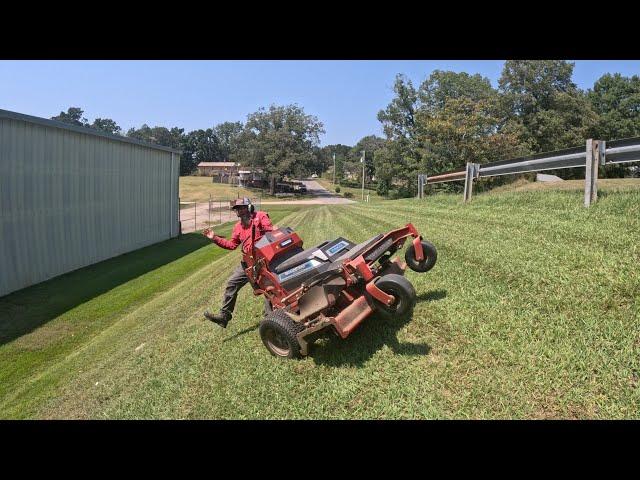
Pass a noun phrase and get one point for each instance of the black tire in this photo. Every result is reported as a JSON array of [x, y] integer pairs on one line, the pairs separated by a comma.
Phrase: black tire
[[402, 289], [430, 257], [278, 333]]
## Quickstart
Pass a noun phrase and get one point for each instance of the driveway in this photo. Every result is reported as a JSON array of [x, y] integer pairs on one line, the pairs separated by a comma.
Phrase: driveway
[[321, 194]]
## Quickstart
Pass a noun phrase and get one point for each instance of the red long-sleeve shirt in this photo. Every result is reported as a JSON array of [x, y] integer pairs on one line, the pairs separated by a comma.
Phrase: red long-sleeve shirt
[[242, 234]]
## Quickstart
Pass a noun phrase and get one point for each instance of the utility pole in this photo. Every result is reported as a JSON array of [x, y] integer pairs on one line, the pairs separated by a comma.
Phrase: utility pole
[[362, 160], [334, 168]]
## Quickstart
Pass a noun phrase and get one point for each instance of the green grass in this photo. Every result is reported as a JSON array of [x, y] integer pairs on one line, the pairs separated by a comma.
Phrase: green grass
[[42, 325], [604, 184], [532, 311]]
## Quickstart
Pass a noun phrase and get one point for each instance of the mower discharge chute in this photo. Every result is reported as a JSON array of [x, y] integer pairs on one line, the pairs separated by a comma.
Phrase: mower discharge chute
[[332, 286]]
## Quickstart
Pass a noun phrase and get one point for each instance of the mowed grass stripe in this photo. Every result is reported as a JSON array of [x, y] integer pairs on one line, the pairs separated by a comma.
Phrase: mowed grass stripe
[[125, 373], [31, 373], [508, 325], [576, 310]]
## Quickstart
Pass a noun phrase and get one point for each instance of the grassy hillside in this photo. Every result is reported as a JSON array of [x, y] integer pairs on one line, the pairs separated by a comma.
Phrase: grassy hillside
[[604, 184], [532, 311]]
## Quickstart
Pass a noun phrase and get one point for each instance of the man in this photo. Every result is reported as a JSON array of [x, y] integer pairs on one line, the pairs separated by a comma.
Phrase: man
[[241, 235]]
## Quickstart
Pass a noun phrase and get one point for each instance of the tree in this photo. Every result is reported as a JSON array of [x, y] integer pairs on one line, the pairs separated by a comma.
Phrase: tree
[[280, 141], [369, 144], [453, 118], [324, 159], [540, 95], [399, 125], [617, 101], [228, 135], [204, 145], [106, 125], [174, 138], [72, 116], [460, 120], [443, 86]]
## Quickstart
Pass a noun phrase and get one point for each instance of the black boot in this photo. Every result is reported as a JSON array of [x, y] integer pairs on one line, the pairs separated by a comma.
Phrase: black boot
[[221, 318]]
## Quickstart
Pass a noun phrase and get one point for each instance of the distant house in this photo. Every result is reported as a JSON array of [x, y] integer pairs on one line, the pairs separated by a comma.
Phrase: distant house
[[224, 170]]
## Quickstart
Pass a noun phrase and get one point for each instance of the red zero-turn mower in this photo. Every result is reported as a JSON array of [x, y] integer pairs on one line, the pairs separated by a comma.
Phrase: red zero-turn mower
[[334, 285]]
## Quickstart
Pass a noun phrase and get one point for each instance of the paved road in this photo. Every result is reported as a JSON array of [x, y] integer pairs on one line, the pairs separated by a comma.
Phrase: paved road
[[321, 194]]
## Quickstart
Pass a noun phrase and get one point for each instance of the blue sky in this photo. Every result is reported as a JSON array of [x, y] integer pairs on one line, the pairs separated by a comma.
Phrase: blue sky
[[344, 95]]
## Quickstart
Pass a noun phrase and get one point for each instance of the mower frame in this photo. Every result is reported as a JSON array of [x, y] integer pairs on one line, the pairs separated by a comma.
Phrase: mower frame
[[349, 277]]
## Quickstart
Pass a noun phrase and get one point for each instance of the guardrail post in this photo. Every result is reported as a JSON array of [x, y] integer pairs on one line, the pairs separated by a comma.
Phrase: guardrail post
[[591, 172], [472, 168], [422, 179]]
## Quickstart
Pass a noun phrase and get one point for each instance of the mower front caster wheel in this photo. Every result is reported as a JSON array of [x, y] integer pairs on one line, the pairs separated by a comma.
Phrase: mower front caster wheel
[[402, 290], [278, 333], [430, 257]]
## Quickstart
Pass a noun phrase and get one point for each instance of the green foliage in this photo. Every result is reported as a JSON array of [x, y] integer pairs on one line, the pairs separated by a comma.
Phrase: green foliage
[[370, 145], [324, 159], [453, 118], [460, 121], [280, 141], [173, 138], [402, 151], [540, 95], [441, 87], [72, 116], [106, 125], [337, 189], [617, 101]]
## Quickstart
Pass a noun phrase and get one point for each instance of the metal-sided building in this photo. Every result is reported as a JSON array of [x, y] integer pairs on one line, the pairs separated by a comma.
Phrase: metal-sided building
[[72, 196]]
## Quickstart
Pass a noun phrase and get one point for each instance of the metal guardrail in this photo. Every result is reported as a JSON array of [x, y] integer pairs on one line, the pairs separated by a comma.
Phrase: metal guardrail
[[597, 152]]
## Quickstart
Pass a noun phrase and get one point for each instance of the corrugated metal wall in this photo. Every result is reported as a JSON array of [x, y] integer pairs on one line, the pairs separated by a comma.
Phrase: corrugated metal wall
[[70, 199]]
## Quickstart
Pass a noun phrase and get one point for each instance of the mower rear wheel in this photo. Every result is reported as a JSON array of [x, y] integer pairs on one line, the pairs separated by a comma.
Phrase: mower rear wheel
[[278, 333], [402, 290], [430, 257]]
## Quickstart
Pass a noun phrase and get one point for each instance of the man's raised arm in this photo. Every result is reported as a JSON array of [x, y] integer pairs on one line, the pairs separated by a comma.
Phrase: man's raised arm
[[221, 241]]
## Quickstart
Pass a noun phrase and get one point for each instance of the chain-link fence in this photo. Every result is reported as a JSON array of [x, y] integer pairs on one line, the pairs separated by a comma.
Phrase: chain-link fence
[[196, 216]]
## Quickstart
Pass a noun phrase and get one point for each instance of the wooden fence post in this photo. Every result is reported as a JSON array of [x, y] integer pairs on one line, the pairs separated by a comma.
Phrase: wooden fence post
[[591, 172]]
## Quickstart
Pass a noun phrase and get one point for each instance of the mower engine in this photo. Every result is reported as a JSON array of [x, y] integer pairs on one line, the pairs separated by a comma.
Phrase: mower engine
[[333, 286]]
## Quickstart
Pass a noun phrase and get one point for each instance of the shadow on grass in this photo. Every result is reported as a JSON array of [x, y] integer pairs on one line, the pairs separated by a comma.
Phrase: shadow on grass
[[242, 332], [25, 310], [432, 296], [372, 335]]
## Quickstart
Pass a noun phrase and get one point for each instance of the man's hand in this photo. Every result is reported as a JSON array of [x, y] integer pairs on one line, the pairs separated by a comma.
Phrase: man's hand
[[208, 233]]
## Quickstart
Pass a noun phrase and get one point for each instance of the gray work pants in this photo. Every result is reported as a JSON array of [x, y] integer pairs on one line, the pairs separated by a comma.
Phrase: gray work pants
[[237, 280]]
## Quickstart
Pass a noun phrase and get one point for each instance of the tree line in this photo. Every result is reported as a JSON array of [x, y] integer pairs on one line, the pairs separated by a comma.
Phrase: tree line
[[454, 118], [448, 120]]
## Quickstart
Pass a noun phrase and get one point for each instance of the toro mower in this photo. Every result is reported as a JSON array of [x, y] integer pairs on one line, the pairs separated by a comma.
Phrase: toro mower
[[333, 286]]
